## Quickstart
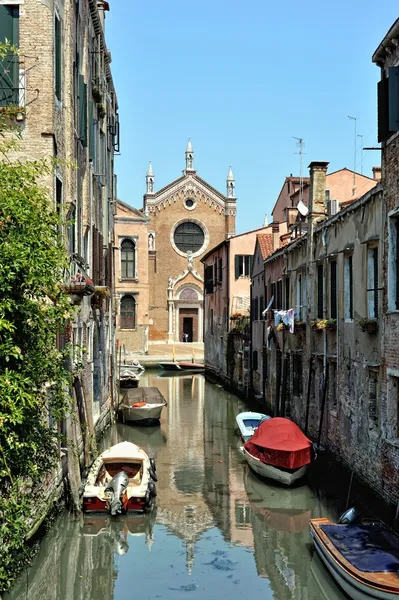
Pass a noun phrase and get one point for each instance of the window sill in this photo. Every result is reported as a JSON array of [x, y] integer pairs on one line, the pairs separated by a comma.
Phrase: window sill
[[392, 311], [120, 329], [349, 321], [128, 279]]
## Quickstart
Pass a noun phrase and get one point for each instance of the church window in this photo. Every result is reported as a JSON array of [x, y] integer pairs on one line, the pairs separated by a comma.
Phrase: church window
[[189, 203], [188, 294], [128, 313], [189, 237], [128, 259]]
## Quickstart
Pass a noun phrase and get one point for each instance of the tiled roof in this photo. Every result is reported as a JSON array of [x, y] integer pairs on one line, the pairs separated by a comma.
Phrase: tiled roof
[[265, 243]]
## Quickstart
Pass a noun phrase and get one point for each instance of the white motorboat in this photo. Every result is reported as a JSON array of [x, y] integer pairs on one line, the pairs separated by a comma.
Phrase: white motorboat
[[121, 479], [248, 422], [128, 378], [142, 406], [279, 450]]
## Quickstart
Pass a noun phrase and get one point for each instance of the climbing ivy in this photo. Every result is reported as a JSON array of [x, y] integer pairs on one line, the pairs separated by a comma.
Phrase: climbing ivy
[[33, 310]]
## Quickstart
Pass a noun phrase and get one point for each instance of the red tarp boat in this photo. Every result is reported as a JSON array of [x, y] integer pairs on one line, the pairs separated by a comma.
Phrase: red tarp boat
[[279, 450]]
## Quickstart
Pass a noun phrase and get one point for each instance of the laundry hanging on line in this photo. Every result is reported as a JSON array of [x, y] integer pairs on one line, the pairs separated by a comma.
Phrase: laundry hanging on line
[[285, 316]]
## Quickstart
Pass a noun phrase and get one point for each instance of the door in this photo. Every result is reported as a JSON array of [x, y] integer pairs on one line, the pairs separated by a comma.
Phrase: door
[[188, 328]]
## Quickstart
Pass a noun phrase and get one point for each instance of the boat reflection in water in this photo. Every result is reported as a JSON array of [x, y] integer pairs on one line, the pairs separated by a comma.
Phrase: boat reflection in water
[[217, 529]]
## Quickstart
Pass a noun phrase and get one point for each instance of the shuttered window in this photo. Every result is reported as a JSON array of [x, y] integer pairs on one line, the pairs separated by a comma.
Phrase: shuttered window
[[261, 306], [220, 270], [57, 58], [255, 360], [82, 111], [256, 309], [128, 313], [388, 104], [279, 291], [372, 283], [243, 265], [320, 283], [208, 279], [287, 293], [273, 295], [373, 397], [9, 64], [333, 289], [348, 288], [128, 259]]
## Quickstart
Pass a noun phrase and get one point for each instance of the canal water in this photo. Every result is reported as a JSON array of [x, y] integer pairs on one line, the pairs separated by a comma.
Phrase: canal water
[[217, 530]]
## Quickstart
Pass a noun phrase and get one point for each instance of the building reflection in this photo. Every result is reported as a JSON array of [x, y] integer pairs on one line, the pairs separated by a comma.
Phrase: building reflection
[[180, 463], [76, 560]]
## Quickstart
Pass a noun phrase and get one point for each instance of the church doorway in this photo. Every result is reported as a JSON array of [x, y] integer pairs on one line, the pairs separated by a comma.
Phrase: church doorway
[[188, 328], [188, 324]]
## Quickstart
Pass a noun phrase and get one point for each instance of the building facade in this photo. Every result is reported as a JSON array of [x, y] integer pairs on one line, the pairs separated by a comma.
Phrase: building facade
[[62, 83], [228, 267], [387, 58], [132, 250], [186, 218]]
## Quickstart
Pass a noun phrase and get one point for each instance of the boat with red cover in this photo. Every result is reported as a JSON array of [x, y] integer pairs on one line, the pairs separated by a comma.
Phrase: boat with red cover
[[279, 450]]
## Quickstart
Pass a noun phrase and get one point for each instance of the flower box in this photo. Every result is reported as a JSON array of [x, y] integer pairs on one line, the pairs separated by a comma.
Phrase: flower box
[[299, 326], [369, 325]]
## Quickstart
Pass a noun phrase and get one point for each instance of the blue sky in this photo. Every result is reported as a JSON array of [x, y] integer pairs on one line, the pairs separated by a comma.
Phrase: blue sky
[[241, 79]]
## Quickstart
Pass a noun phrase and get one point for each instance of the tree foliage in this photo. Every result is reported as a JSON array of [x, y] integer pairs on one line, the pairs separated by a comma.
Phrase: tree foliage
[[33, 310]]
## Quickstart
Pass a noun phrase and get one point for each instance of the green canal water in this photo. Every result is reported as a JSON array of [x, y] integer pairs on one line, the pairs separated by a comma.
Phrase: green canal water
[[217, 531]]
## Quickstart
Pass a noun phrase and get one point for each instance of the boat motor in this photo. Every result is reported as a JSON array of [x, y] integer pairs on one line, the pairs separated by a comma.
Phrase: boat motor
[[114, 492], [349, 517]]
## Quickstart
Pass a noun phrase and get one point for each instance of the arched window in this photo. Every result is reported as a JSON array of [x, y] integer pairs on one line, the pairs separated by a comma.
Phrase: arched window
[[128, 259], [128, 313], [188, 294]]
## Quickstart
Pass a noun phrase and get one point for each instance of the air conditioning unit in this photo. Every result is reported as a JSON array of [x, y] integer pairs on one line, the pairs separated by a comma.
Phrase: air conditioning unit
[[332, 207]]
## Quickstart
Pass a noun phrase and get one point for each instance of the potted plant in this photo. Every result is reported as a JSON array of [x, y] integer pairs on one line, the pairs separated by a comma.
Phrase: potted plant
[[319, 324], [282, 326], [331, 324], [97, 95], [368, 325]]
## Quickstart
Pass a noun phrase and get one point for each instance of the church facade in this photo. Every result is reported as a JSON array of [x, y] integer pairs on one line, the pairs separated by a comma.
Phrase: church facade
[[159, 275], [186, 219]]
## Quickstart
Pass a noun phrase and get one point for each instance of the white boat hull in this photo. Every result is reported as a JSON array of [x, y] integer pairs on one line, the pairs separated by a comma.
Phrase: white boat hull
[[136, 414], [247, 432], [353, 587], [270, 472]]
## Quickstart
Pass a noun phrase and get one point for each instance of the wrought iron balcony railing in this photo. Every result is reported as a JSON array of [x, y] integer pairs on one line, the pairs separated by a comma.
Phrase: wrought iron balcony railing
[[12, 81]]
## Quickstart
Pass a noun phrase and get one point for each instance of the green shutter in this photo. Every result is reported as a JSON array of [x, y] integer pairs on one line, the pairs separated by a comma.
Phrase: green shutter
[[91, 130], [9, 65], [393, 81], [58, 57], [82, 111], [237, 265]]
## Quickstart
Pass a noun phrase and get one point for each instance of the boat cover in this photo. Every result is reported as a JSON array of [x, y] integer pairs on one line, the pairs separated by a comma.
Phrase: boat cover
[[148, 395], [280, 443], [370, 548]]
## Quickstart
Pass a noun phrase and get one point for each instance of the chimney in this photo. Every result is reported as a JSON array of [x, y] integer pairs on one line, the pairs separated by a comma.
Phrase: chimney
[[317, 191], [377, 173], [276, 236]]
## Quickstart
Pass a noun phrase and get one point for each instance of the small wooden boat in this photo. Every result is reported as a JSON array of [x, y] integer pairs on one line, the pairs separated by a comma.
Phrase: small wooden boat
[[248, 422], [362, 558], [279, 450], [192, 366], [170, 366], [128, 378], [142, 406], [121, 479]]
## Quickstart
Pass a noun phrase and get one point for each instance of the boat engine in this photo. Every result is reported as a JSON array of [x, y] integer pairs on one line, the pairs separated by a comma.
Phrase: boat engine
[[349, 517], [115, 491]]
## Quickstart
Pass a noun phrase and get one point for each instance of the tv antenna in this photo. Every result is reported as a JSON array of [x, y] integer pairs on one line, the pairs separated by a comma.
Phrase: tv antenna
[[300, 145]]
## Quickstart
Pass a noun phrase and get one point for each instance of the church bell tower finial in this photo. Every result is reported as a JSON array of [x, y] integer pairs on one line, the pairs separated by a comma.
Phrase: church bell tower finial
[[149, 179], [231, 184], [189, 157]]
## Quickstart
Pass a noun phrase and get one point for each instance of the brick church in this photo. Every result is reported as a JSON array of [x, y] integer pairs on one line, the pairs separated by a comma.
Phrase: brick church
[[159, 276]]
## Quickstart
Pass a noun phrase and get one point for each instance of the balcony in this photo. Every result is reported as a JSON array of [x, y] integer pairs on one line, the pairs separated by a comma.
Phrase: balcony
[[12, 81], [78, 283]]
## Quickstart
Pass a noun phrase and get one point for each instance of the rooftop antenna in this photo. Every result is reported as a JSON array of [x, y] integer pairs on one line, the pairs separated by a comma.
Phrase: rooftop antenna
[[354, 157], [300, 145], [361, 152]]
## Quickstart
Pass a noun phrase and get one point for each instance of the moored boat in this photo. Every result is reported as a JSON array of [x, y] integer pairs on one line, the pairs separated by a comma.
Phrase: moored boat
[[170, 366], [248, 422], [142, 406], [121, 479], [279, 450], [192, 366], [363, 558], [128, 378]]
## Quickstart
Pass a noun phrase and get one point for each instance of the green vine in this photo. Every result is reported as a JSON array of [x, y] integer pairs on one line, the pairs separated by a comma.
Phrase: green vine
[[33, 310]]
